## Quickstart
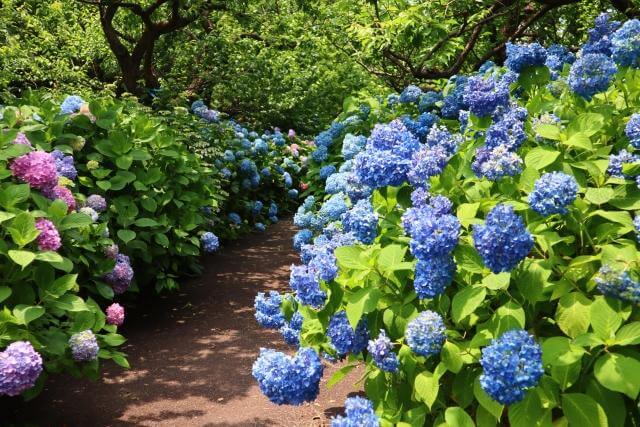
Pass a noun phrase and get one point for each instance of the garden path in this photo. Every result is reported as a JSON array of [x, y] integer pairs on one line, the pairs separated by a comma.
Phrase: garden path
[[191, 354]]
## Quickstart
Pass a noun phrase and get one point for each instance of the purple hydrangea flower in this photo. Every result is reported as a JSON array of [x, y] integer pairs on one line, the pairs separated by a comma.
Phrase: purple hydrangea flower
[[37, 168], [121, 276], [49, 237], [484, 94], [21, 139], [96, 202], [381, 350], [61, 193], [64, 165], [84, 346], [20, 367]]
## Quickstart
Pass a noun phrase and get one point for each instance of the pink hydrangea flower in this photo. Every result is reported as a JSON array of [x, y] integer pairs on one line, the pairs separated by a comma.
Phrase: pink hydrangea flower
[[62, 193], [294, 149], [22, 139], [36, 168], [115, 314], [292, 133], [49, 237]]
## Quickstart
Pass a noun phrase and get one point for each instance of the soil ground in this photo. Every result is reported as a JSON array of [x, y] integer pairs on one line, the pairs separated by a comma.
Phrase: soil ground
[[191, 354]]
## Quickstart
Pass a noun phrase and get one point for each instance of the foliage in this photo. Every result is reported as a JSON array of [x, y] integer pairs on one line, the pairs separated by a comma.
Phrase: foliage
[[570, 299], [49, 288]]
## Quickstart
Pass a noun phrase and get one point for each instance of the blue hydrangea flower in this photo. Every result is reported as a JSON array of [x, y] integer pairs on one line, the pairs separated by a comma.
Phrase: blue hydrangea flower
[[260, 227], [352, 145], [197, 105], [591, 74], [358, 413], [324, 264], [617, 160], [305, 284], [496, 163], [267, 310], [636, 224], [508, 130], [327, 171], [632, 130], [420, 196], [288, 380], [428, 101], [503, 240], [521, 56], [625, 44], [486, 66], [600, 35], [511, 364], [291, 330], [225, 173], [235, 218], [357, 190], [362, 221], [425, 334], [431, 235], [552, 193], [64, 165], [302, 237], [71, 104], [484, 94], [320, 154], [256, 208], [210, 242], [427, 162], [336, 183], [292, 193], [288, 182], [433, 276], [381, 350], [618, 285], [229, 156], [557, 56], [410, 94], [454, 101], [84, 346], [343, 338], [393, 99], [333, 208]]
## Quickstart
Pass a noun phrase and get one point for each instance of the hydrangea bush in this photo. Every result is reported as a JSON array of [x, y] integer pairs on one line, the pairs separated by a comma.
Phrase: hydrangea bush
[[489, 248], [55, 261]]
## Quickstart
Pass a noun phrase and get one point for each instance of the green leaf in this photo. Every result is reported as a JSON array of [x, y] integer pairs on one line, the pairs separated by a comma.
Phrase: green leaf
[[468, 259], [579, 140], [605, 321], [50, 257], [5, 292], [361, 302], [529, 412], [466, 301], [146, 222], [27, 313], [450, 356], [339, 375], [6, 216], [62, 284], [13, 195], [581, 410], [114, 339], [586, 123], [558, 351], [22, 258], [548, 131], [493, 407], [124, 162], [349, 257], [390, 257], [23, 229], [126, 235], [573, 314], [497, 281], [541, 157], [618, 373], [599, 196], [629, 334], [457, 417], [75, 220], [121, 361], [619, 217], [426, 388]]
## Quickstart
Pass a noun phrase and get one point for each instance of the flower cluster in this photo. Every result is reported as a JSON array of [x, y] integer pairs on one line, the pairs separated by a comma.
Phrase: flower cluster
[[484, 94], [503, 240], [291, 330], [210, 242], [288, 380], [343, 338], [358, 413], [96, 202], [521, 56], [36, 168], [71, 104], [381, 350], [616, 161], [305, 284], [64, 165], [591, 74], [619, 285], [454, 101], [410, 94], [268, 312], [122, 274], [600, 35], [511, 364], [115, 314], [552, 193], [20, 367], [625, 44], [84, 346], [425, 334], [632, 130], [49, 237], [362, 221]]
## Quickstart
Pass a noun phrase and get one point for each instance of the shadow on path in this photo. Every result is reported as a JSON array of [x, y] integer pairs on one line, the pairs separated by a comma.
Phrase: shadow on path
[[191, 354]]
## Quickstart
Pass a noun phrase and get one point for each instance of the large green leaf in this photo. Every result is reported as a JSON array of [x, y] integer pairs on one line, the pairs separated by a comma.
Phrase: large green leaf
[[618, 373], [573, 314], [581, 410], [466, 301]]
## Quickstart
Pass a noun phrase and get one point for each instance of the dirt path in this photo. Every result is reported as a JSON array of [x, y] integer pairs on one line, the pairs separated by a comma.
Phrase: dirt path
[[191, 355]]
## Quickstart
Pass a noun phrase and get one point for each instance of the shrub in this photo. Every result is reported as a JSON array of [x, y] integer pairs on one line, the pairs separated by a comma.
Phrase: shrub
[[502, 283]]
